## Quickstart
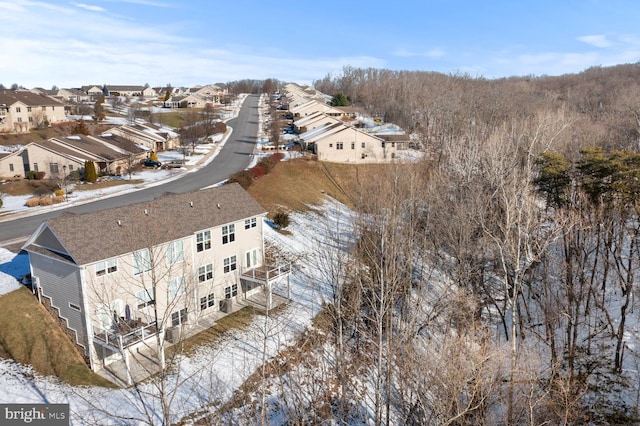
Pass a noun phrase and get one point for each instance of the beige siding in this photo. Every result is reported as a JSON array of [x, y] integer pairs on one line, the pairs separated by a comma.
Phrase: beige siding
[[352, 146]]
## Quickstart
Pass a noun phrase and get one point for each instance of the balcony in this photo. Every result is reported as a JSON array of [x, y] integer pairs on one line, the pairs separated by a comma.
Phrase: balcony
[[125, 334], [265, 274]]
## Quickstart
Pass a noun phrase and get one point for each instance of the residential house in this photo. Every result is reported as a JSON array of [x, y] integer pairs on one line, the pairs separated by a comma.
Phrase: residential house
[[59, 156], [152, 137], [129, 91], [23, 110], [312, 107], [94, 91], [339, 143], [126, 278], [185, 100]]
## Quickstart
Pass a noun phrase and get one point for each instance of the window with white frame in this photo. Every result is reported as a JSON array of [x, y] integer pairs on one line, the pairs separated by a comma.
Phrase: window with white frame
[[229, 264], [363, 145], [207, 301], [141, 261], [177, 287], [10, 167], [53, 168], [175, 252], [353, 145], [106, 267], [145, 297], [250, 223], [179, 317], [251, 258], [228, 234], [203, 241], [28, 109], [17, 109], [231, 291], [35, 167], [339, 145], [205, 273]]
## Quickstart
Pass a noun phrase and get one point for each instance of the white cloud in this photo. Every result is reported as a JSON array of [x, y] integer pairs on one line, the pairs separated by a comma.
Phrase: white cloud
[[89, 7], [596, 40], [407, 53]]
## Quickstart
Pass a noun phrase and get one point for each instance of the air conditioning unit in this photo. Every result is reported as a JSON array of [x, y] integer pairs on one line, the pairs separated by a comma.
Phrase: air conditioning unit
[[226, 306]]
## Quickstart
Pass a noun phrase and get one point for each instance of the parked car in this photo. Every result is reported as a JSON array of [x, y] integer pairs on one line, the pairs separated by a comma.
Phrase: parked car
[[148, 162]]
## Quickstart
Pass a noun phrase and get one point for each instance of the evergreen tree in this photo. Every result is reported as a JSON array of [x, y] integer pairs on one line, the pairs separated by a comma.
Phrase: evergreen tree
[[90, 174], [339, 99]]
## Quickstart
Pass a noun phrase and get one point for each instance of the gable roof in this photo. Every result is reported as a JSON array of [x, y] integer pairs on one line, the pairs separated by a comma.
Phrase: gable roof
[[10, 97], [95, 236]]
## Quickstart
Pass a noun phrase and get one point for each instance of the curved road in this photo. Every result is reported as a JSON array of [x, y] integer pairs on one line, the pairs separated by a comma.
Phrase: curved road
[[235, 155]]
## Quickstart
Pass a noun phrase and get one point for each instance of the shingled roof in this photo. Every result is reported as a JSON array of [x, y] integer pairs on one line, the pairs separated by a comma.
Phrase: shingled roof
[[91, 237], [10, 97]]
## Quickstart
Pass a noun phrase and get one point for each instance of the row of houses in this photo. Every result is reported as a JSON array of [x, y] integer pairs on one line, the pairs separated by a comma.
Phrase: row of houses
[[113, 153], [126, 280], [328, 131]]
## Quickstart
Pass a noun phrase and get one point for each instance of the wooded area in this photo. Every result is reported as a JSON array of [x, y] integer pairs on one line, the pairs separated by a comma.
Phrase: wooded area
[[493, 282]]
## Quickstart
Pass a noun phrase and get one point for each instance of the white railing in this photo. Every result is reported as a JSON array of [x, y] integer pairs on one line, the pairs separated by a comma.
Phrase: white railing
[[267, 272], [123, 340]]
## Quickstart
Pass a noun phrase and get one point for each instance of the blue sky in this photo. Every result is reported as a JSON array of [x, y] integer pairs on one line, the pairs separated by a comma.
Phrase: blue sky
[[189, 42]]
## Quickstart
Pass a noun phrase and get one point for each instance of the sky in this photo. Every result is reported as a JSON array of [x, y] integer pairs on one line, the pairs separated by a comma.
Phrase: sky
[[197, 42]]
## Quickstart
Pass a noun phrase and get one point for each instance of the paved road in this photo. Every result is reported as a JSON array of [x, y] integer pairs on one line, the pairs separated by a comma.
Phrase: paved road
[[234, 156]]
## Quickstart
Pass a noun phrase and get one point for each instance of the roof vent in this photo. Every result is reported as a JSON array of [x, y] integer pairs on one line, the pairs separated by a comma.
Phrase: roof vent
[[191, 203], [119, 223], [146, 211], [218, 205]]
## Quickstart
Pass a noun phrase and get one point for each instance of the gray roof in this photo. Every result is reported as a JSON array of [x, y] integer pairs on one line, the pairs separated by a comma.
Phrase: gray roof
[[10, 97], [91, 237]]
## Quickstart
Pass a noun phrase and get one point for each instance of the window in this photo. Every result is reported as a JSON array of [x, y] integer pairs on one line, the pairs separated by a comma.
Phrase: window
[[70, 167], [251, 258], [229, 264], [330, 145], [339, 145], [203, 241], [145, 298], [28, 109], [30, 119], [362, 156], [107, 267], [383, 144], [74, 306], [44, 108], [179, 317], [363, 144], [207, 301], [231, 291], [35, 167], [53, 168], [175, 253], [393, 144], [177, 287], [17, 109], [141, 261], [205, 273], [53, 108], [10, 167], [353, 145], [19, 119], [228, 234], [250, 223]]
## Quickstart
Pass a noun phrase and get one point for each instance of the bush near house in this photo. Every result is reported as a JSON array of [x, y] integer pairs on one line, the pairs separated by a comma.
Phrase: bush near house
[[281, 219], [257, 171], [267, 162], [243, 177]]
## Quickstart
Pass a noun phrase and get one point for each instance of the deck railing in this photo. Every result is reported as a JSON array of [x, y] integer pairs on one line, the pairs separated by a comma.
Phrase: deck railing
[[125, 336], [266, 273]]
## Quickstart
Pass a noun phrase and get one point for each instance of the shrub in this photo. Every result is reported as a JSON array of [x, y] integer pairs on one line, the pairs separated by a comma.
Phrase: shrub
[[278, 156], [281, 219], [219, 127], [33, 202], [31, 175], [90, 174], [40, 175], [268, 163], [46, 201], [257, 171], [1, 203], [59, 192], [243, 177]]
